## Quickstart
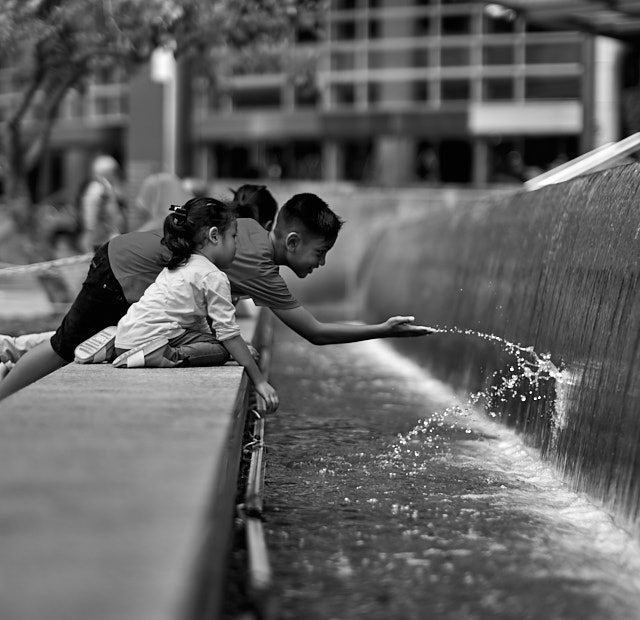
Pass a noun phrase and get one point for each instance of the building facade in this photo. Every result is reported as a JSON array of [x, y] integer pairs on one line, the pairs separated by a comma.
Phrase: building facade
[[396, 92]]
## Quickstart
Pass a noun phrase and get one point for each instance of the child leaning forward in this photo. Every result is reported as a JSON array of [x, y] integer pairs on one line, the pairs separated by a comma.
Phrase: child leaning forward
[[190, 292]]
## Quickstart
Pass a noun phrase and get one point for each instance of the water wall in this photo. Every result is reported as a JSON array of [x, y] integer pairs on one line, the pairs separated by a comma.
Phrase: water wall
[[557, 269]]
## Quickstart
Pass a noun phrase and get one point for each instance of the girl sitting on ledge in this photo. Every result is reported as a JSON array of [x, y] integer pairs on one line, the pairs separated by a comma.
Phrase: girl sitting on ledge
[[186, 317]]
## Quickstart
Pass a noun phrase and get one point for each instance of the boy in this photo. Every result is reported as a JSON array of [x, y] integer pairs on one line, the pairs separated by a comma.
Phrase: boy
[[305, 230]]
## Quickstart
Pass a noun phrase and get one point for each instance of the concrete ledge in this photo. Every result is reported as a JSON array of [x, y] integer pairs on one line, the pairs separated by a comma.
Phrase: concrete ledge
[[118, 489]]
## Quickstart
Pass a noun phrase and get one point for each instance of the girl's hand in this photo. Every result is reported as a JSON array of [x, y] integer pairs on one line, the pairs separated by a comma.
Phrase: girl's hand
[[269, 396], [401, 326]]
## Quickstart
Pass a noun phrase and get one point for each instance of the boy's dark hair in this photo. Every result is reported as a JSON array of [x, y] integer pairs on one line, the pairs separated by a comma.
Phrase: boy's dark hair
[[185, 228], [313, 213], [256, 202]]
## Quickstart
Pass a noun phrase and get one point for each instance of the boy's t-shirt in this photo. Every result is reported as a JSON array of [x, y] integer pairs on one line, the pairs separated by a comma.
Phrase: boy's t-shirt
[[137, 258]]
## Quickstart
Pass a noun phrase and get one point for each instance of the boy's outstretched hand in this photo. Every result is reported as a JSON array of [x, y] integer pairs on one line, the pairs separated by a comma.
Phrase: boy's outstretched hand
[[402, 326]]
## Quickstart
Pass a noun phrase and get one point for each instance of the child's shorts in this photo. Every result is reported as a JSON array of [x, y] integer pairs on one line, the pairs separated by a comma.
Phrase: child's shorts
[[99, 304]]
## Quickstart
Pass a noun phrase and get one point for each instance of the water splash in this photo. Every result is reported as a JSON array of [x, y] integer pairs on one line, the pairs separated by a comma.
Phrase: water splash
[[521, 381]]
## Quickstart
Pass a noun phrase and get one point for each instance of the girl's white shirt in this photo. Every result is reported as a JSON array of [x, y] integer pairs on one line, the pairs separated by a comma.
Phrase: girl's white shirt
[[179, 300]]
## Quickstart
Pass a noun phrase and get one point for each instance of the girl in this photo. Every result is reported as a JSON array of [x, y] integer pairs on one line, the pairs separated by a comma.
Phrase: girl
[[168, 325]]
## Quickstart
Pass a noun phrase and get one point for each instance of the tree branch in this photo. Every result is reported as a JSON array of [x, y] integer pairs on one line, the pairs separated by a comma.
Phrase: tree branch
[[27, 98], [53, 103]]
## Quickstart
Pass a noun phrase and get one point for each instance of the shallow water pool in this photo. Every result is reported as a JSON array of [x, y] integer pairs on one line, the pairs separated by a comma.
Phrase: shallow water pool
[[460, 522]]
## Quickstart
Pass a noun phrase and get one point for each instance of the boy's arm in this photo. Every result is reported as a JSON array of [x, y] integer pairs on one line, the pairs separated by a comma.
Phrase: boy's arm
[[301, 321], [240, 352]]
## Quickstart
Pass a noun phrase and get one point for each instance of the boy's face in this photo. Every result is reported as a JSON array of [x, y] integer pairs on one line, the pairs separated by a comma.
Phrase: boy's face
[[306, 253]]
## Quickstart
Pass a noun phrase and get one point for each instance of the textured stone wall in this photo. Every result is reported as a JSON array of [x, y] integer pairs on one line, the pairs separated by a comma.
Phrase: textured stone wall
[[557, 269]]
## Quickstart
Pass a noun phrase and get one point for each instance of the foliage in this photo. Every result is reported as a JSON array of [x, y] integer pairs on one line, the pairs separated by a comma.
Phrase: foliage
[[57, 45]]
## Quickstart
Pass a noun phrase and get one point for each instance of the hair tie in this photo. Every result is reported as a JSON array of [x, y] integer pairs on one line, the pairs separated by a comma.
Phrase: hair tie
[[178, 211]]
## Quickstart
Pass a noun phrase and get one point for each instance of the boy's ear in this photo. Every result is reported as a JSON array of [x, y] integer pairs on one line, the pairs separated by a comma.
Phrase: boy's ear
[[292, 241]]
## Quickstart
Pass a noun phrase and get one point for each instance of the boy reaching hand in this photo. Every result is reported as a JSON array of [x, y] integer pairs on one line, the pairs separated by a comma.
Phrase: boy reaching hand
[[304, 232]]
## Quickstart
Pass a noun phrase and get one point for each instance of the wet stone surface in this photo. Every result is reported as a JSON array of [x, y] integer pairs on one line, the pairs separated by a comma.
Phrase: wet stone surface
[[458, 522]]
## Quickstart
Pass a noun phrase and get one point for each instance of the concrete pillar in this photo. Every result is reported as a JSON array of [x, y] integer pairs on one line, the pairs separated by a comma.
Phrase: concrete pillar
[[395, 154], [395, 161], [480, 162], [607, 90], [204, 163], [332, 161], [151, 145], [75, 168]]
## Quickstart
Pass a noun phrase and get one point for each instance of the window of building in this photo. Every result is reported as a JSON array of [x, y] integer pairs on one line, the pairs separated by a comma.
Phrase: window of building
[[373, 29], [498, 55], [377, 4], [566, 87], [344, 5], [455, 56], [343, 30], [456, 24], [498, 89], [498, 25], [455, 90], [358, 161], [250, 98], [344, 94], [455, 161], [389, 58], [306, 95], [307, 161], [236, 161], [422, 26], [373, 94], [552, 53], [420, 91], [342, 61], [420, 57], [547, 152]]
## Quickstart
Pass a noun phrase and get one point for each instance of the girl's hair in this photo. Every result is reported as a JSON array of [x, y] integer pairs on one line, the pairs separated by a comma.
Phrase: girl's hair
[[256, 202], [186, 227]]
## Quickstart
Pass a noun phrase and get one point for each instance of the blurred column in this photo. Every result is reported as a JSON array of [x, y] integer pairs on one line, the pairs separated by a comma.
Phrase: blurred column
[[76, 165], [607, 90], [395, 154], [152, 125], [480, 162], [332, 161]]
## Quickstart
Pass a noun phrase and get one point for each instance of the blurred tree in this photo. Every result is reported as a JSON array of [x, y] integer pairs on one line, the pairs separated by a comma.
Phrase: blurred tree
[[57, 45]]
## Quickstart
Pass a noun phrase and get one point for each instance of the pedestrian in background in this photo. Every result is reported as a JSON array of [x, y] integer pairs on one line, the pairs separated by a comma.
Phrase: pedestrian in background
[[101, 204]]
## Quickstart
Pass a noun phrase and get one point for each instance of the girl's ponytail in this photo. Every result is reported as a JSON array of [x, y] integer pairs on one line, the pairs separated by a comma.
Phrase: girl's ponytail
[[177, 236], [186, 227]]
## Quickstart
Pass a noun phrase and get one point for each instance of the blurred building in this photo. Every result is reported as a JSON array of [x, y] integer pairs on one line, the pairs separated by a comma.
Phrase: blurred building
[[395, 92]]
